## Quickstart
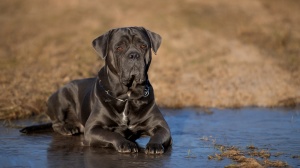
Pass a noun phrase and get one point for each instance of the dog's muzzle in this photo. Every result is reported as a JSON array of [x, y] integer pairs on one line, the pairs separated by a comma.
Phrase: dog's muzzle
[[133, 71]]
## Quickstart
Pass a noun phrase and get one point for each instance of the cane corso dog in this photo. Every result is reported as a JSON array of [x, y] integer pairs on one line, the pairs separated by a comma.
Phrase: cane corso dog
[[118, 106]]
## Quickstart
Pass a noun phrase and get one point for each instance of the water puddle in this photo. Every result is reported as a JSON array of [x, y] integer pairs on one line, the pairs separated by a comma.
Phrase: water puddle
[[195, 132]]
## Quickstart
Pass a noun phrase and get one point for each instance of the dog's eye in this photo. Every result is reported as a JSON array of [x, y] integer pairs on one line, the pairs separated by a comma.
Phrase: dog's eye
[[143, 46], [119, 49]]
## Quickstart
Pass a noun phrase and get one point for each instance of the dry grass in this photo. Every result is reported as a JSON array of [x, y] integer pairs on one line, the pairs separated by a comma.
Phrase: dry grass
[[214, 53]]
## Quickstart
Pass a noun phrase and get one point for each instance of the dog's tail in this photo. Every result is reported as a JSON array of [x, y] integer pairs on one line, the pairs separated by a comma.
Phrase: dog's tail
[[37, 128]]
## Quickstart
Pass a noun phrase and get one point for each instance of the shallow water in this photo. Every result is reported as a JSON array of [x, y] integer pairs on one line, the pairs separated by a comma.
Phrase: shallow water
[[194, 132]]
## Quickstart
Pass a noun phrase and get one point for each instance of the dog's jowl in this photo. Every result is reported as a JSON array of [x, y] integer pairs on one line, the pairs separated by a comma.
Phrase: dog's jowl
[[118, 106]]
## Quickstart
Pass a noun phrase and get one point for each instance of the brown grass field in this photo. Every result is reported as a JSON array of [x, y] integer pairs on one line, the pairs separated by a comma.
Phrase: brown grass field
[[216, 53]]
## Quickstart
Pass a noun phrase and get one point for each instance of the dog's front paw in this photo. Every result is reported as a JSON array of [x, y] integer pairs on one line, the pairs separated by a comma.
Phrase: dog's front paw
[[154, 148], [126, 146]]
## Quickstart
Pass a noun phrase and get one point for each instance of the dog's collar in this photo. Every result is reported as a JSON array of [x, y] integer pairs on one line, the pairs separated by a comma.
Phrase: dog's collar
[[121, 100], [146, 93]]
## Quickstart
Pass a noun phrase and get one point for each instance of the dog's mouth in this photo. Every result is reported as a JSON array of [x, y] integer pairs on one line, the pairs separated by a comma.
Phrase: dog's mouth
[[133, 81], [133, 75], [133, 78]]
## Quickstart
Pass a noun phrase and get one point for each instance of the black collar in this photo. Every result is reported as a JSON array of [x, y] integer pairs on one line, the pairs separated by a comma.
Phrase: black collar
[[146, 92]]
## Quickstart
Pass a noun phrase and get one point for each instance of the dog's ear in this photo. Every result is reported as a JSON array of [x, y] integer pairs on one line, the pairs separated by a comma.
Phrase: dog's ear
[[155, 40], [101, 44]]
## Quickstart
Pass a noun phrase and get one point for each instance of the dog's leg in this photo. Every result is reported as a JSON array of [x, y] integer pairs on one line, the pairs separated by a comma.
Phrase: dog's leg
[[97, 136], [67, 127], [159, 141], [62, 111], [67, 122]]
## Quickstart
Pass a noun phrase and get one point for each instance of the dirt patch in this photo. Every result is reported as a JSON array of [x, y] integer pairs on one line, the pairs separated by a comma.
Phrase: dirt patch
[[214, 53], [251, 157]]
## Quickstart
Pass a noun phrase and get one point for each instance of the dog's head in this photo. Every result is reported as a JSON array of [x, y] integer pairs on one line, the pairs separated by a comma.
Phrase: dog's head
[[127, 52]]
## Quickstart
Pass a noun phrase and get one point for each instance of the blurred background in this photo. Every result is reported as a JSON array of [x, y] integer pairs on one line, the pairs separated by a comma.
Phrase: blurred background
[[215, 53]]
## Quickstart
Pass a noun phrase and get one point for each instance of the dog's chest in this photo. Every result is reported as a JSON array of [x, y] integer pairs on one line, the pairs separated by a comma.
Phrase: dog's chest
[[125, 122], [125, 119]]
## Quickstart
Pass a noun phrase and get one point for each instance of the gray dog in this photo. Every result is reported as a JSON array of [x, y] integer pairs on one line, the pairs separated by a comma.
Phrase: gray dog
[[117, 107]]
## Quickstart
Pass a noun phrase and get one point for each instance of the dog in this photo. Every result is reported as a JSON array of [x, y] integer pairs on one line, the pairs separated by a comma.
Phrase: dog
[[118, 106]]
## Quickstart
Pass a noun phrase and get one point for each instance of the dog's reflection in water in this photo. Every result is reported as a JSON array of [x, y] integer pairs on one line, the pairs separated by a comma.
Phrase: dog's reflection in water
[[68, 151]]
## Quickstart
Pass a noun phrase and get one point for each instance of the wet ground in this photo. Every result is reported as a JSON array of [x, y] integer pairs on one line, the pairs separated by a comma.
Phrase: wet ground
[[195, 135]]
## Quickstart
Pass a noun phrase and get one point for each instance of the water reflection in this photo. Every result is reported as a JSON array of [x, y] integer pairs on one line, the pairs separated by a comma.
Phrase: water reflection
[[64, 151], [194, 132]]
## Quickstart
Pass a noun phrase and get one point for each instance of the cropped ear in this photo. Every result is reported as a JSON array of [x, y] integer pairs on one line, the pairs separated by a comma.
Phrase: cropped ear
[[155, 40], [101, 44]]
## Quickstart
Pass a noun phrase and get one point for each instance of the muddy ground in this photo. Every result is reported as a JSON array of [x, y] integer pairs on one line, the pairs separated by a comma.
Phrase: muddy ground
[[214, 53]]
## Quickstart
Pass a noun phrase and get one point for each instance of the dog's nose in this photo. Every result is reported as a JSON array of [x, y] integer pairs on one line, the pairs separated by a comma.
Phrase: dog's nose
[[134, 55]]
